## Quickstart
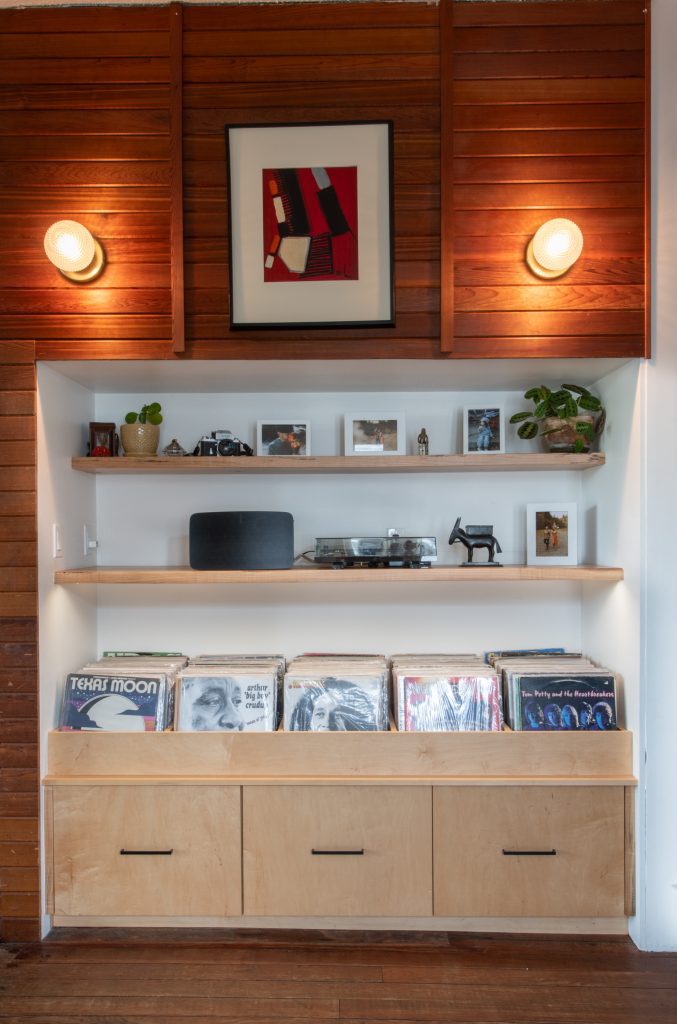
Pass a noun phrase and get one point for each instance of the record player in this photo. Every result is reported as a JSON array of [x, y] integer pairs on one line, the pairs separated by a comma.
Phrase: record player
[[376, 552]]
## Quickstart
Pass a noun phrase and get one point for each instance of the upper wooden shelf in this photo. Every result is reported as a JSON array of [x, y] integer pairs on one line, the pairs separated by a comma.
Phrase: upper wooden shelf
[[514, 462], [437, 574]]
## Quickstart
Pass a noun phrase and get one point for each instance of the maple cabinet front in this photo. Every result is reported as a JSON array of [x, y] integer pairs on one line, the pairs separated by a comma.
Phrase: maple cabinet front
[[529, 851], [337, 851], [147, 850]]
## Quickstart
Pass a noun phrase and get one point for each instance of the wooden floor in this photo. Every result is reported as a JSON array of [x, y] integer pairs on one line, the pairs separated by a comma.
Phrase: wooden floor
[[155, 976]]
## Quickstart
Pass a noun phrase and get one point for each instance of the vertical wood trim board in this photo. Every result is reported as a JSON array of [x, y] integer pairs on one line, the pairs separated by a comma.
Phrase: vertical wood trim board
[[548, 112], [446, 177], [176, 175], [19, 870]]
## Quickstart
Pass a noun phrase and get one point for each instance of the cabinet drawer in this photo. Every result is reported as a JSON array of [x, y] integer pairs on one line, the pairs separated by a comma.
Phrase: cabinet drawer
[[493, 851], [200, 825], [337, 850]]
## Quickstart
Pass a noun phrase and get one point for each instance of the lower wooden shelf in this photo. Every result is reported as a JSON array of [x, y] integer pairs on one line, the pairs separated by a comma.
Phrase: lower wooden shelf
[[168, 575]]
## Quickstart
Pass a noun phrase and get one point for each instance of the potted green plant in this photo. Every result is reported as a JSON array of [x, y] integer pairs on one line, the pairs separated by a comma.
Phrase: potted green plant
[[568, 419], [140, 433]]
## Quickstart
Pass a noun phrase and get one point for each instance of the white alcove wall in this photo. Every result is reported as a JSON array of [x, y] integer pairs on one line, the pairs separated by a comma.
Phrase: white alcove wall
[[142, 519]]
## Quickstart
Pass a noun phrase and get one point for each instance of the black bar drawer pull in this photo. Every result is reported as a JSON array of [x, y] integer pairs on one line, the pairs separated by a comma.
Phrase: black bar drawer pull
[[146, 853], [337, 853], [529, 853]]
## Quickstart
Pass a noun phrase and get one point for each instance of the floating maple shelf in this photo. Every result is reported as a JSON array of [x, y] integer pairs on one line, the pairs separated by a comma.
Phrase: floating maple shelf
[[168, 575], [513, 462]]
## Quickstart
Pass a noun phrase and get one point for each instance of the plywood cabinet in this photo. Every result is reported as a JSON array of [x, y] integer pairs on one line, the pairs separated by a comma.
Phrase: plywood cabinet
[[337, 850], [529, 851], [146, 850]]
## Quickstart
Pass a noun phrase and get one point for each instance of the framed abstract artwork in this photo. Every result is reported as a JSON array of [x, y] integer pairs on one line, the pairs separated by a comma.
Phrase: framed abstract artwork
[[310, 225]]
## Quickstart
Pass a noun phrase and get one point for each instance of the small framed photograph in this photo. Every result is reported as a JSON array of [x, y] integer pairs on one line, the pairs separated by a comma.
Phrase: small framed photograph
[[385, 436], [483, 430], [277, 437], [102, 440], [552, 534]]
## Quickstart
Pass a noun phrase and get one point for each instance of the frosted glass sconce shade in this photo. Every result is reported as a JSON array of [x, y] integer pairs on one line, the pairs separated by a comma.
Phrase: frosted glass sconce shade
[[74, 251], [554, 248]]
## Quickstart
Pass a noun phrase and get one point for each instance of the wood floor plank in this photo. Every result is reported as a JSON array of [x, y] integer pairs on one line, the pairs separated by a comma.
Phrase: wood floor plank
[[149, 976]]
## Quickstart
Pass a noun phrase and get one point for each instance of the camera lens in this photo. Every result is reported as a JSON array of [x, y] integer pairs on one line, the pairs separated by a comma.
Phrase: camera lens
[[227, 446]]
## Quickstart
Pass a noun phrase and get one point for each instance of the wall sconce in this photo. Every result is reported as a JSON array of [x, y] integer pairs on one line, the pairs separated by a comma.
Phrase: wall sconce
[[554, 248], [74, 251]]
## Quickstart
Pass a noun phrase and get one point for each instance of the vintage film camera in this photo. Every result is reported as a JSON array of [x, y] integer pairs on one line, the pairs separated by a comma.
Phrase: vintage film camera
[[222, 442]]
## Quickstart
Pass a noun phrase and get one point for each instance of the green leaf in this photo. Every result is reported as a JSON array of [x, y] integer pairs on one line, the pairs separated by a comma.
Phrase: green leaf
[[131, 417], [155, 417], [527, 431], [519, 416], [576, 388], [570, 408], [579, 444], [586, 429], [538, 394], [590, 403], [542, 410], [153, 407]]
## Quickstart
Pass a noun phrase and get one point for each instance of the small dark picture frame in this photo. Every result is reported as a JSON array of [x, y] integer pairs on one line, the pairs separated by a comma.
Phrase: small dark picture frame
[[102, 440]]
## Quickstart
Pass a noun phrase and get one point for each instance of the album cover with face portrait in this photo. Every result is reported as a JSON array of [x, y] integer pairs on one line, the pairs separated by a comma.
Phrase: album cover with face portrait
[[115, 703], [213, 699], [556, 703], [335, 703]]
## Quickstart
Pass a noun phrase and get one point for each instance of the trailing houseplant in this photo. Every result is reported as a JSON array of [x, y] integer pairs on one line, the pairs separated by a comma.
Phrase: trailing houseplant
[[569, 419], [140, 433]]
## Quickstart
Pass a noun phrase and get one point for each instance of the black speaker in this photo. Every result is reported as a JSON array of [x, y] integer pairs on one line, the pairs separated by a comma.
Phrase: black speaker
[[241, 540]]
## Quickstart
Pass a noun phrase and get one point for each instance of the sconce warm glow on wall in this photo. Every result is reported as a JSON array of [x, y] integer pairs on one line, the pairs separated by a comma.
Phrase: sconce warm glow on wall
[[74, 251], [554, 248]]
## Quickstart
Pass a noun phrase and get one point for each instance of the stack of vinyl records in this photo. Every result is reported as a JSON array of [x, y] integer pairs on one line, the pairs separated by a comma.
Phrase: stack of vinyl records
[[130, 693], [446, 693], [230, 693], [336, 693], [557, 692]]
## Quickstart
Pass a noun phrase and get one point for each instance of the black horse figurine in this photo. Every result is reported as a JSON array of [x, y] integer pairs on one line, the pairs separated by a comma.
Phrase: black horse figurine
[[476, 537]]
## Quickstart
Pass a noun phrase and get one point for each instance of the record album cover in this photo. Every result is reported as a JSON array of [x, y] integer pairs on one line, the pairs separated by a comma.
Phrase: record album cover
[[563, 703], [114, 703]]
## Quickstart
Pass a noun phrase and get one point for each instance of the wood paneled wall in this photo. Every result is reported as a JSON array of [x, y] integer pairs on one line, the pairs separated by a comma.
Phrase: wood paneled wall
[[545, 109], [544, 113], [85, 135], [324, 62]]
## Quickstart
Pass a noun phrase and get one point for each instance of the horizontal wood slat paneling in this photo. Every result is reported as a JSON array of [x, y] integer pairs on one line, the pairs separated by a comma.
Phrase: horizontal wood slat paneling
[[547, 115], [549, 65], [85, 134], [569, 12], [365, 62], [585, 142], [67, 45], [318, 17]]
